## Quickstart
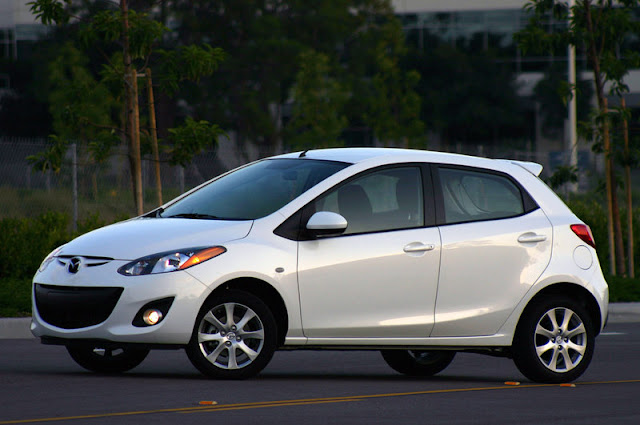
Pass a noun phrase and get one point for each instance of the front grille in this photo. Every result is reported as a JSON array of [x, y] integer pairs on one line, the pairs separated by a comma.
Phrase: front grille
[[71, 307]]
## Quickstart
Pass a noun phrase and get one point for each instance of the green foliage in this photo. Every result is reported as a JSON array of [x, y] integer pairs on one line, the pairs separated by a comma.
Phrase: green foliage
[[191, 138], [80, 105], [51, 158], [317, 118], [598, 26], [563, 174], [106, 27], [623, 289], [187, 63], [95, 107], [362, 43], [469, 97], [15, 297], [24, 243], [393, 105], [50, 11], [81, 108], [553, 93]]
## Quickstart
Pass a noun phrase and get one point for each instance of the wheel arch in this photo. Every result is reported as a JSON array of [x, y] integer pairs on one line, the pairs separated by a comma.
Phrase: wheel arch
[[575, 292], [267, 293]]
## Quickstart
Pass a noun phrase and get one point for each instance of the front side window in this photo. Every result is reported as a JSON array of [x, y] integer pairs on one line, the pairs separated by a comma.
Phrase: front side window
[[254, 191], [388, 199], [475, 196]]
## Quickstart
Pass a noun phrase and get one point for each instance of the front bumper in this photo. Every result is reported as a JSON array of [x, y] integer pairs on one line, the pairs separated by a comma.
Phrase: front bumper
[[97, 303]]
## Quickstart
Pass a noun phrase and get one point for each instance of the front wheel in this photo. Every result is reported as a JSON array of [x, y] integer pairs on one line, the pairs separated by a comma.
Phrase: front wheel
[[554, 341], [234, 336], [107, 359], [418, 362]]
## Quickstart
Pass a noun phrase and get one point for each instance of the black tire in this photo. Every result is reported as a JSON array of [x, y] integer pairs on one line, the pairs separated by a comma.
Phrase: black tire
[[107, 359], [418, 362], [554, 340], [234, 337]]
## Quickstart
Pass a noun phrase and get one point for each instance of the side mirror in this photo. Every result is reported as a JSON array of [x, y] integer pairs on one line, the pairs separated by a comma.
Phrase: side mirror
[[326, 223]]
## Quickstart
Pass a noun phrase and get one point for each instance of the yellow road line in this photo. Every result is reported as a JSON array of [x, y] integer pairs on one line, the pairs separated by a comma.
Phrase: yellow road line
[[300, 402], [271, 404]]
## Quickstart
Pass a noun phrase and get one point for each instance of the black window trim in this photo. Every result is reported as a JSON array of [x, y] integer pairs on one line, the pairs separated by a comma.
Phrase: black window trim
[[528, 203]]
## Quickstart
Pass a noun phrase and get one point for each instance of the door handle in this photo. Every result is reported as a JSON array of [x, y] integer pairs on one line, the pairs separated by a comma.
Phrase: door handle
[[531, 237], [419, 247]]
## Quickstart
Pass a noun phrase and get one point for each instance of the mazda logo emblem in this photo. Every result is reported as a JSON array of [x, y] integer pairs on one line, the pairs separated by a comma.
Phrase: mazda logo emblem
[[74, 265]]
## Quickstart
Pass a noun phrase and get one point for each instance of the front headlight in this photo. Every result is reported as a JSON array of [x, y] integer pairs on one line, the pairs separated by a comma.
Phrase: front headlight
[[170, 261], [49, 258]]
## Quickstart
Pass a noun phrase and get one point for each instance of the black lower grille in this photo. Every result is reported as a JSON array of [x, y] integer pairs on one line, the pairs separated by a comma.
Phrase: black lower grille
[[71, 307]]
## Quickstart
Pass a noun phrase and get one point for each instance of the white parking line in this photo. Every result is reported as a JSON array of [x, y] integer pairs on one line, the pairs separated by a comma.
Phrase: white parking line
[[612, 333]]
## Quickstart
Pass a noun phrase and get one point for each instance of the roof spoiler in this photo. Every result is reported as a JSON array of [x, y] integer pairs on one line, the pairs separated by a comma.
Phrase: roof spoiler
[[532, 167]]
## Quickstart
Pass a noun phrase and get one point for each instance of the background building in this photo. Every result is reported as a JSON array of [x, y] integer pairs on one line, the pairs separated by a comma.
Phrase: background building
[[472, 25], [18, 29]]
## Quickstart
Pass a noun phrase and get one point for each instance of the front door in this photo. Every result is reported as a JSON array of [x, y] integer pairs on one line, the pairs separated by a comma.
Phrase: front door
[[379, 279]]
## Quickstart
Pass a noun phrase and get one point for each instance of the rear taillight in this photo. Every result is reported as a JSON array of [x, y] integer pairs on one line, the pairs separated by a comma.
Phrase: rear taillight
[[584, 232]]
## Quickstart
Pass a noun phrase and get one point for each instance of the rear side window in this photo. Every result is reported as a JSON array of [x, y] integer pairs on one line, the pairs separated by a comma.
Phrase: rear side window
[[474, 196]]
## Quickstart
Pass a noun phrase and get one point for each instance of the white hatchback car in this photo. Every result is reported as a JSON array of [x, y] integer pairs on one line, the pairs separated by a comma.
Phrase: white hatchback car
[[417, 254]]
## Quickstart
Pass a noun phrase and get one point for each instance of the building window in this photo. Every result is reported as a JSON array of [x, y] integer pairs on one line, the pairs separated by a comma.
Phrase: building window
[[7, 44]]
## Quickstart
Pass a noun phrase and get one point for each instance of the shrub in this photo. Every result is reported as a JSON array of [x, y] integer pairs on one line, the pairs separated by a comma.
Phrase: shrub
[[15, 297], [24, 243]]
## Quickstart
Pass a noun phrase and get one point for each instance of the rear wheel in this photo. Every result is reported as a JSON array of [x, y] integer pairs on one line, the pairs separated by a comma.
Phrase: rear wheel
[[107, 359], [418, 362], [234, 336], [554, 341]]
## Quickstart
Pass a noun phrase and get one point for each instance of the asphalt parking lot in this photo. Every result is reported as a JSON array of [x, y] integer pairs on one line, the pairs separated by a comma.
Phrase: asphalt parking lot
[[41, 384]]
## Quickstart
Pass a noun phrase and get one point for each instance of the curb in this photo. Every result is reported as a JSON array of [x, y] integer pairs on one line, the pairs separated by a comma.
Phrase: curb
[[15, 328], [19, 328]]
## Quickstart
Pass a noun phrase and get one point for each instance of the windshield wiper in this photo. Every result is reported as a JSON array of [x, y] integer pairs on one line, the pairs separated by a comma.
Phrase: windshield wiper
[[154, 213], [194, 215]]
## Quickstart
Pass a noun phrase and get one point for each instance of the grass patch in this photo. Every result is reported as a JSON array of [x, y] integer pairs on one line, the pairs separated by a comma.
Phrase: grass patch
[[111, 205]]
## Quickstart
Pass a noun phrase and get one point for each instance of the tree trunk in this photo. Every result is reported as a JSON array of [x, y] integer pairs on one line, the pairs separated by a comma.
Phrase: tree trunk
[[154, 136], [135, 137], [612, 199], [134, 149], [627, 184]]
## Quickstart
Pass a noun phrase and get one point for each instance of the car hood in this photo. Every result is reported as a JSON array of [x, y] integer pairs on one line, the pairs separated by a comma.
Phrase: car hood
[[132, 239]]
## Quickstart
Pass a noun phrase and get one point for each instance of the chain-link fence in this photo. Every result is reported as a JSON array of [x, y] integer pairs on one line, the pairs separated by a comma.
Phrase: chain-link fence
[[104, 189]]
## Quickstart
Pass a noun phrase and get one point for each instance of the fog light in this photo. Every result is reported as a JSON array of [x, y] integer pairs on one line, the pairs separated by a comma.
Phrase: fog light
[[152, 313], [152, 317]]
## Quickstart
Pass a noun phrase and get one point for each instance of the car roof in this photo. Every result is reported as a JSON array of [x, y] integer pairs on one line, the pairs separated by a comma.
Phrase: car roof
[[389, 155]]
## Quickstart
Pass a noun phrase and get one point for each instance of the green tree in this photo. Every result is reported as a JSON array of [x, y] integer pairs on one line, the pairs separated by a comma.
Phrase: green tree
[[393, 105], [317, 118], [600, 28], [552, 93], [468, 97], [125, 40], [252, 90]]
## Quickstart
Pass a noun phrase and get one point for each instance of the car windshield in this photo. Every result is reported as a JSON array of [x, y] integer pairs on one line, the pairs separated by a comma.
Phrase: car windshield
[[254, 191]]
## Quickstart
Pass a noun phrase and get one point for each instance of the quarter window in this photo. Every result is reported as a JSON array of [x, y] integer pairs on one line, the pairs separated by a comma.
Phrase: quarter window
[[474, 196], [388, 199]]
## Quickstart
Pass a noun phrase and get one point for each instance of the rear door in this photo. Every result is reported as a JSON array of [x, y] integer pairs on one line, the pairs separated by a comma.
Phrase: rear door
[[496, 242]]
